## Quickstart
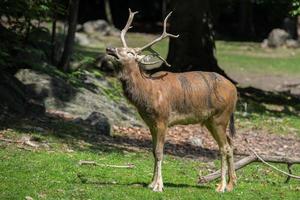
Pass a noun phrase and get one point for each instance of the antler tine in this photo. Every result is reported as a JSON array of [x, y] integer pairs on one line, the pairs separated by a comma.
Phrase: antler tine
[[163, 35], [127, 27]]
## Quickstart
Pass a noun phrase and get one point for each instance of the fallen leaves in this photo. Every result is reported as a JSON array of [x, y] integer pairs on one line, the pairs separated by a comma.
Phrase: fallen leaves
[[178, 141]]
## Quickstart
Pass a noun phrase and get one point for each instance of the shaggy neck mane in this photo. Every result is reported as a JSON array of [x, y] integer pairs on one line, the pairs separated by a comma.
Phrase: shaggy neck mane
[[136, 86]]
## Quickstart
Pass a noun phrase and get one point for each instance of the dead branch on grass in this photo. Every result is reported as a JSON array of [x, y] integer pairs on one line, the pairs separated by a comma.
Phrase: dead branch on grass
[[256, 158], [89, 162], [23, 141]]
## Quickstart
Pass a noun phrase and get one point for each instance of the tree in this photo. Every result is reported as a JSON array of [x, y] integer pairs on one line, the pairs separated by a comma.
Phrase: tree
[[246, 26], [20, 20], [194, 49], [108, 12], [69, 42], [295, 11]]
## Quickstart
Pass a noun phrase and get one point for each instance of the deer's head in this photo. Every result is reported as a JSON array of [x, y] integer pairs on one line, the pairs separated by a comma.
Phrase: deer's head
[[128, 54]]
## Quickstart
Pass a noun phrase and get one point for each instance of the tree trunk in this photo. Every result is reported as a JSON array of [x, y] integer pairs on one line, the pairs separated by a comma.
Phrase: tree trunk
[[164, 7], [298, 27], [194, 49], [108, 12], [246, 27], [53, 41], [69, 42]]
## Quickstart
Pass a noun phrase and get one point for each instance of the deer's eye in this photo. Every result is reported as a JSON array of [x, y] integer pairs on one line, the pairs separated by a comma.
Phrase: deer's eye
[[130, 54]]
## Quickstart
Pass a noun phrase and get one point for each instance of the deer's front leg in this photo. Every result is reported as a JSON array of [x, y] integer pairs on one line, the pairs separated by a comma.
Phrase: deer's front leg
[[158, 138]]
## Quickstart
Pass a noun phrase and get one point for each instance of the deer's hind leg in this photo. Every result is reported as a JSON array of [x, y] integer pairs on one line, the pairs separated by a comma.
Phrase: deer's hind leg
[[231, 171], [217, 127]]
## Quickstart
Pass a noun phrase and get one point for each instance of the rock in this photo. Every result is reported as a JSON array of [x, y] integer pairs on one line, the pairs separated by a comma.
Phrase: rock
[[195, 141], [79, 27], [104, 64], [95, 26], [78, 120], [59, 95], [112, 31], [99, 26], [40, 86], [100, 122], [277, 38], [82, 39], [264, 44], [88, 27], [290, 43], [35, 108], [13, 99]]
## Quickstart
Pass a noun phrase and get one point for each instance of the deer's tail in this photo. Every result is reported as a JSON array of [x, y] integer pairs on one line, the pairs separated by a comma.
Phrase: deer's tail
[[231, 125]]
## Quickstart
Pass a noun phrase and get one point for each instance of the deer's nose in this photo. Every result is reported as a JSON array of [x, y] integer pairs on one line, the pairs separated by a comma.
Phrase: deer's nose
[[110, 50]]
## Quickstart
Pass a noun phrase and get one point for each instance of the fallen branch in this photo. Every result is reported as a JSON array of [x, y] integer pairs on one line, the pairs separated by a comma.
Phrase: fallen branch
[[9, 140], [23, 141], [88, 162], [255, 158], [24, 148]]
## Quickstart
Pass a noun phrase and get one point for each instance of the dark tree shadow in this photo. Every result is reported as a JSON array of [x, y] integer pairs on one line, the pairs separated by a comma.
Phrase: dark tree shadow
[[259, 97]]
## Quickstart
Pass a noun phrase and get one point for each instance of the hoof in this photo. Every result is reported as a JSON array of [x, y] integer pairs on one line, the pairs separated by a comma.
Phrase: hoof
[[156, 186], [151, 185], [220, 188], [229, 187]]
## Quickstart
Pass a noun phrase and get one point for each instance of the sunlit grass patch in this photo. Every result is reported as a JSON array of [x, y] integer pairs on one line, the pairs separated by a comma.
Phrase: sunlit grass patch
[[57, 175]]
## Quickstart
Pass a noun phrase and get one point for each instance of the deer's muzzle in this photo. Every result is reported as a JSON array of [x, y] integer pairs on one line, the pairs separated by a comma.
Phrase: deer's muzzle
[[111, 51]]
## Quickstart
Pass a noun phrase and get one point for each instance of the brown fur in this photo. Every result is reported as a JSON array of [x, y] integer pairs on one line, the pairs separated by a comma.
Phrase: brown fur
[[200, 95], [177, 98], [182, 98]]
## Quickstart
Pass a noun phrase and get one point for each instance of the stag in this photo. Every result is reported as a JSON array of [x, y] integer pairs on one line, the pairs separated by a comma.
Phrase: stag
[[177, 98]]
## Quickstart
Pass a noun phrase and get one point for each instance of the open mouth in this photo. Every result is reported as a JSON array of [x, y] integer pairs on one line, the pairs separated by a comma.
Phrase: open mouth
[[111, 51]]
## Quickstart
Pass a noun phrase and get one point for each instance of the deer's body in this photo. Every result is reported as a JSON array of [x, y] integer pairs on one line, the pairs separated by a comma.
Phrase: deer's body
[[177, 98]]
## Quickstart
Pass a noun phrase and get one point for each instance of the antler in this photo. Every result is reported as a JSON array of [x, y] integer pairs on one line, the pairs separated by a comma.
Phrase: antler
[[163, 36], [127, 27]]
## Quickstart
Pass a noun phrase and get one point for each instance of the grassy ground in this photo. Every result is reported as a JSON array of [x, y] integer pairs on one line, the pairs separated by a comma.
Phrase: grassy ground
[[249, 57], [54, 172]]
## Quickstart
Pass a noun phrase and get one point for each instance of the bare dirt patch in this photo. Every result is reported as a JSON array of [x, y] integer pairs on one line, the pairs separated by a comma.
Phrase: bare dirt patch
[[180, 142], [190, 141]]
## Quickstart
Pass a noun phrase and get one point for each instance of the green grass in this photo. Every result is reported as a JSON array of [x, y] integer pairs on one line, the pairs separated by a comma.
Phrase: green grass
[[56, 174], [269, 123], [249, 57]]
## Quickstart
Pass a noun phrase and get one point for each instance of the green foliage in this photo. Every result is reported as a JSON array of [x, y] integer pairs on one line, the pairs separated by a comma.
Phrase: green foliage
[[23, 42], [20, 13], [295, 8]]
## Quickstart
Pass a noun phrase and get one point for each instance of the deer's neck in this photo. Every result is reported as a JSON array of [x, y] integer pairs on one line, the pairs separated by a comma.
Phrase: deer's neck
[[136, 87]]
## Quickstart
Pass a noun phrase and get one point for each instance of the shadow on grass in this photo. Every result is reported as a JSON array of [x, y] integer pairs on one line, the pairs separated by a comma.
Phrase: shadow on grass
[[67, 132], [70, 133], [286, 102], [86, 180]]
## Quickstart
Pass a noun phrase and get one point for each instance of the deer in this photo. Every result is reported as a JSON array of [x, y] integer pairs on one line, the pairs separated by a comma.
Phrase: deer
[[171, 98]]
